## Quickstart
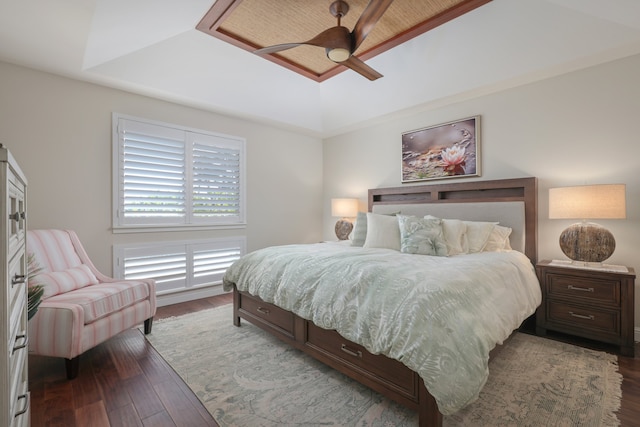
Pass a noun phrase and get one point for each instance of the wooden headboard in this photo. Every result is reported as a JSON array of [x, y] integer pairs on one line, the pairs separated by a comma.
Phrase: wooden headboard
[[523, 190]]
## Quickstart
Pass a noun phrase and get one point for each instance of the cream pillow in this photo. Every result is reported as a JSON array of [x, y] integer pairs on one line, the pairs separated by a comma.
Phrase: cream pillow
[[498, 239], [478, 234], [455, 235], [421, 236], [382, 232]]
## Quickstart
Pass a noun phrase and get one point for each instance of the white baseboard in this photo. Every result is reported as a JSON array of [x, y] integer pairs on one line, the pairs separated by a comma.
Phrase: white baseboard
[[188, 295]]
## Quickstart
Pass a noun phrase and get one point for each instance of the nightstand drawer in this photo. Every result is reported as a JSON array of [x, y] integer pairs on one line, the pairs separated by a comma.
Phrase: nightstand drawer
[[605, 292], [584, 317]]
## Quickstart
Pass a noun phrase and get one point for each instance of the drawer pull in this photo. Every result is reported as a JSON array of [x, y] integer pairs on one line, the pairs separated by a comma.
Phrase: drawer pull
[[263, 310], [26, 405], [25, 342], [582, 316], [576, 288], [18, 278], [346, 349]]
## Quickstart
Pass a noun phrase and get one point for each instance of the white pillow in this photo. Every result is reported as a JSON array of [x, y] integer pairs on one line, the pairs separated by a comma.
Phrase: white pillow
[[498, 239], [478, 234], [382, 232], [455, 235]]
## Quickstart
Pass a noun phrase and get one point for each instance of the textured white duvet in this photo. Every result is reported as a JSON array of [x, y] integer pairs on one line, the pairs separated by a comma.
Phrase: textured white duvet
[[440, 316]]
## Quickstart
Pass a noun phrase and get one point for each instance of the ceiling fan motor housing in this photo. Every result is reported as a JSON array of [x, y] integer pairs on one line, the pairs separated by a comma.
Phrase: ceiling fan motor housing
[[339, 9]]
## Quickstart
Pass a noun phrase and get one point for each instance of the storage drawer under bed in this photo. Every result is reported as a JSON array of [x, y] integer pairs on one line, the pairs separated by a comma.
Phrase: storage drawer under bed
[[381, 372], [393, 373], [268, 314]]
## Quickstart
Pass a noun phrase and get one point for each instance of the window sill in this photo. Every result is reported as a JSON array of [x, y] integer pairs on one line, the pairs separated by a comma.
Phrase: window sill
[[157, 229]]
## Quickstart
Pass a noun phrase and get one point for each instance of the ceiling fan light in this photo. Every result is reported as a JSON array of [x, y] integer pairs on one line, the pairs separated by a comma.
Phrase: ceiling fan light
[[338, 54]]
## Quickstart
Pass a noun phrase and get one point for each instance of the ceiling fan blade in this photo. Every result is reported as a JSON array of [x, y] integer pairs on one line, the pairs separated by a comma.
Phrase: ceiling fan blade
[[372, 13], [330, 38], [276, 48], [361, 68]]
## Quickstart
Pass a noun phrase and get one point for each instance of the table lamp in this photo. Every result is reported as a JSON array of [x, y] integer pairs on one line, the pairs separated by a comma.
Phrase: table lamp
[[344, 208], [584, 241]]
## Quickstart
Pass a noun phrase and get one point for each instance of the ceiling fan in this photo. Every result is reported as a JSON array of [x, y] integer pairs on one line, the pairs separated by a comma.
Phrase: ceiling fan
[[339, 42]]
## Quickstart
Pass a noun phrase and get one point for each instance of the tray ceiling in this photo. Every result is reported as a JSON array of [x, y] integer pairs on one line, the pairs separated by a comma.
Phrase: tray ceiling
[[254, 24]]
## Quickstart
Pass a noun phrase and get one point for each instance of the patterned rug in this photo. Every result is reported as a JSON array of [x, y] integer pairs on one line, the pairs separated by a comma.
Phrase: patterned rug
[[245, 377]]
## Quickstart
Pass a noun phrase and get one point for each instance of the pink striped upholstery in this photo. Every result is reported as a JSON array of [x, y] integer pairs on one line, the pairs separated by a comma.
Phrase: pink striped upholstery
[[53, 249], [46, 339], [83, 307], [103, 300], [59, 282]]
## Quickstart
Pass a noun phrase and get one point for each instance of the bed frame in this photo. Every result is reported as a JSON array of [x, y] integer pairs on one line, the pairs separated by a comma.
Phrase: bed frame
[[385, 375]]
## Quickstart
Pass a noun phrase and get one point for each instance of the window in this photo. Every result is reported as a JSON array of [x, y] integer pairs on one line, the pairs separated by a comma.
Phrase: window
[[178, 266], [170, 176]]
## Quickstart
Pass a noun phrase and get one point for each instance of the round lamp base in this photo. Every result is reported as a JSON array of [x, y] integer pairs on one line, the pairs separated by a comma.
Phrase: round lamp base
[[343, 229], [587, 242]]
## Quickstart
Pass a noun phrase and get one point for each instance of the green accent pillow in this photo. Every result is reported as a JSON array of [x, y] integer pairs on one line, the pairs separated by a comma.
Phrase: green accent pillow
[[359, 233], [421, 236]]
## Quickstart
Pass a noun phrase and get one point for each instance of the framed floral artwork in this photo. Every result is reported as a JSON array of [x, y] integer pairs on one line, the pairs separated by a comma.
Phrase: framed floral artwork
[[447, 150]]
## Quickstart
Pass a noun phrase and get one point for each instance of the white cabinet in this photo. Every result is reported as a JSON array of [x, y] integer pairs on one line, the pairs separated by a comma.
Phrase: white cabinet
[[14, 380]]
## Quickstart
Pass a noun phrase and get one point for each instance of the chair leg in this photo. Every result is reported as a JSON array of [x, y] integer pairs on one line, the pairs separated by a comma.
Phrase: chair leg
[[73, 366], [147, 325]]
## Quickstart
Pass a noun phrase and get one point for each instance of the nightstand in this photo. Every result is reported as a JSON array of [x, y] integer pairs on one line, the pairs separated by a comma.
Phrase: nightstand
[[592, 303]]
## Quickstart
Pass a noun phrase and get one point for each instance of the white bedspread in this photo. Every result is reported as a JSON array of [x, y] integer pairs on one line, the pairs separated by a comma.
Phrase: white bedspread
[[440, 316]]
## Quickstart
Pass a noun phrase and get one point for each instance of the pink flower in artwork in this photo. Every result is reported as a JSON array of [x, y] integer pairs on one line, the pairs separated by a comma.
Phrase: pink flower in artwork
[[453, 159], [453, 155]]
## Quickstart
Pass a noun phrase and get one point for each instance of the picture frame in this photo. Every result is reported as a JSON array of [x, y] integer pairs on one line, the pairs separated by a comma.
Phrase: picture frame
[[446, 150]]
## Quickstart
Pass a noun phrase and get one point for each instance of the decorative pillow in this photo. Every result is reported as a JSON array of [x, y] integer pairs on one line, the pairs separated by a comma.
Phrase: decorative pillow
[[455, 235], [359, 233], [478, 234], [382, 232], [498, 239], [59, 282], [421, 236]]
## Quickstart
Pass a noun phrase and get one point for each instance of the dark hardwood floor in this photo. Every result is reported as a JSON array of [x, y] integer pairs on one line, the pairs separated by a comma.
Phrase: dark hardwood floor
[[124, 382]]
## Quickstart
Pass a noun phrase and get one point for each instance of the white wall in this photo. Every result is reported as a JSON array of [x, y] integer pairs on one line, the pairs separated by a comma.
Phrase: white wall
[[59, 130], [579, 128]]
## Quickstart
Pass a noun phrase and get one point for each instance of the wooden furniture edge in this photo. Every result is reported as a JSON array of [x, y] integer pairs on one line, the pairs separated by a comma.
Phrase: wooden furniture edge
[[625, 337]]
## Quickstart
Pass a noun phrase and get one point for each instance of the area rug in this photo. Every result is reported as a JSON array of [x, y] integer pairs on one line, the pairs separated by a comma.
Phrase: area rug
[[247, 378]]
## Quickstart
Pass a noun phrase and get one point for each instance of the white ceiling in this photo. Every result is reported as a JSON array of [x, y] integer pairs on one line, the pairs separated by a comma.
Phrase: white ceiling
[[151, 47]]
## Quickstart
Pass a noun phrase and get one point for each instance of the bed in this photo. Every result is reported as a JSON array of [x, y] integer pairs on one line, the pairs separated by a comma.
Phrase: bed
[[432, 359]]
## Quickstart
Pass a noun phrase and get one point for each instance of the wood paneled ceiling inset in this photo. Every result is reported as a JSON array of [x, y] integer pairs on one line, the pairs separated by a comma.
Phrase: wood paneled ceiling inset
[[254, 24]]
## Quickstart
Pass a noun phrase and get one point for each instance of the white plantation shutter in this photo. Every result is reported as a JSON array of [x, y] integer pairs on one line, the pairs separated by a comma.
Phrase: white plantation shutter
[[211, 260], [172, 176], [178, 266], [152, 182], [216, 179], [166, 263]]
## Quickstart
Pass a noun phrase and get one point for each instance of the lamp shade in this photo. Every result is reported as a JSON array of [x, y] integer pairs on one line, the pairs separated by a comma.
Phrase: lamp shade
[[605, 201], [344, 208], [586, 241]]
